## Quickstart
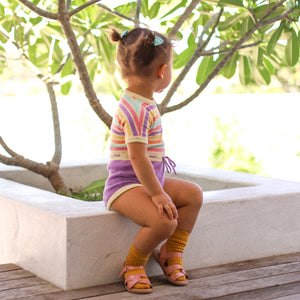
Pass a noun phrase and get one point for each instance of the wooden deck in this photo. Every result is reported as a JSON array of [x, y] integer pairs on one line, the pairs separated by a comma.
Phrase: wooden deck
[[269, 278]]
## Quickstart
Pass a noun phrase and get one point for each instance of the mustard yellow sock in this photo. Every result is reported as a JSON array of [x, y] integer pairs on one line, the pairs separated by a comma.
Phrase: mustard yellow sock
[[136, 258], [176, 243]]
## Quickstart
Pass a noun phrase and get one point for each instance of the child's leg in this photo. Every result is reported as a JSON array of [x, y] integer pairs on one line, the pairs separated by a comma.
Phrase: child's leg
[[137, 205], [188, 198]]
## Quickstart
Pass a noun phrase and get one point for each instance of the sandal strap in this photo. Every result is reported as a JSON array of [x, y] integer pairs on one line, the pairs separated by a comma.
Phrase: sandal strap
[[164, 254], [131, 280], [176, 275]]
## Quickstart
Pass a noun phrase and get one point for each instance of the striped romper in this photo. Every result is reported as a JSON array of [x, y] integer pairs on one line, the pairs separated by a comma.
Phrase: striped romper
[[137, 119]]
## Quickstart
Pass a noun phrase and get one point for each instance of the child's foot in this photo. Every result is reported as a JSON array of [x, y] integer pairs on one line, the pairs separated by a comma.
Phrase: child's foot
[[136, 280], [171, 264]]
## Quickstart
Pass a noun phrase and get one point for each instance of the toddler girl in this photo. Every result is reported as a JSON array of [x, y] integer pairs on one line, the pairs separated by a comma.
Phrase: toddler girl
[[165, 208]]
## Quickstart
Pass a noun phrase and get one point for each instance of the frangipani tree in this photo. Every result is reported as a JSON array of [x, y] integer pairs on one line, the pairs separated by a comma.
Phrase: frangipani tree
[[60, 39]]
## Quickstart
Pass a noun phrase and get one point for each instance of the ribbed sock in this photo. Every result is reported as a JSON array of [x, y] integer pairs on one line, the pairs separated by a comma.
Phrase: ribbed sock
[[136, 258], [176, 243]]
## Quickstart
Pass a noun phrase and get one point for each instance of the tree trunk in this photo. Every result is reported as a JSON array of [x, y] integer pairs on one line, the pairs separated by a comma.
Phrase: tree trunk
[[58, 183]]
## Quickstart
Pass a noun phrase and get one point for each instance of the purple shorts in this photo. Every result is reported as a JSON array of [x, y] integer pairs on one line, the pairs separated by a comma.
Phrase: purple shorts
[[122, 178]]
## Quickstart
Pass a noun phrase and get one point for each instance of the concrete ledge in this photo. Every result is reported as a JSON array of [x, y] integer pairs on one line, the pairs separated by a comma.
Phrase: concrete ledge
[[76, 244]]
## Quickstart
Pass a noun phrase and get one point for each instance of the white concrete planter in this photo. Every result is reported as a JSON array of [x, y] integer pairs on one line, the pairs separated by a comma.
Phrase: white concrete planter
[[76, 244]]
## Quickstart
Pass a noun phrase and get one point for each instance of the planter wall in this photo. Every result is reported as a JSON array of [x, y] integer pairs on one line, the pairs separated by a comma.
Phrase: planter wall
[[75, 244]]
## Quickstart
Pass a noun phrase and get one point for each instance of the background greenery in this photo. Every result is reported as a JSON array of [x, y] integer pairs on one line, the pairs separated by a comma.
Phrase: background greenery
[[256, 42]]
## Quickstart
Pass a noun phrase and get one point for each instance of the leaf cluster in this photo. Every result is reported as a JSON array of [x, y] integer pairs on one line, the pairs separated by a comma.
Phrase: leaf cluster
[[274, 42], [93, 192]]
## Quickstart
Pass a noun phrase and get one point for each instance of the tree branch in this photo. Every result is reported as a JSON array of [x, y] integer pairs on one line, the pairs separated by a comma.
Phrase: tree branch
[[137, 13], [182, 18], [81, 7], [19, 160], [78, 60], [210, 52], [215, 19], [278, 18], [271, 9], [40, 12], [115, 13], [7, 149], [224, 61], [56, 126]]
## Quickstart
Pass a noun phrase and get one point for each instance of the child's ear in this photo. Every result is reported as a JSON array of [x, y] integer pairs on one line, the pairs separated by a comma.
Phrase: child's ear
[[161, 70]]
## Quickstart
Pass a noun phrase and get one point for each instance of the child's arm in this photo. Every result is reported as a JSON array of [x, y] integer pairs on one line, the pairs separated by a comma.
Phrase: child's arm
[[146, 175]]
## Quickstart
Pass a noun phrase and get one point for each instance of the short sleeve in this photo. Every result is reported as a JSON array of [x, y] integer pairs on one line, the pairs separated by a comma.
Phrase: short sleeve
[[135, 119]]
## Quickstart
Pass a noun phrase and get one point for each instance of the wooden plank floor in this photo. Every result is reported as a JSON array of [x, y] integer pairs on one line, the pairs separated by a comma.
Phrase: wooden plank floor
[[268, 278]]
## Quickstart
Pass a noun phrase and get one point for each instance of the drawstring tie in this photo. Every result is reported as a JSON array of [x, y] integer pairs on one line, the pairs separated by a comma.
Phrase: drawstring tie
[[169, 164]]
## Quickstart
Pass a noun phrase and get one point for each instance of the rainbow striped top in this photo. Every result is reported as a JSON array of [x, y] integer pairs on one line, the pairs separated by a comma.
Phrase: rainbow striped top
[[137, 119]]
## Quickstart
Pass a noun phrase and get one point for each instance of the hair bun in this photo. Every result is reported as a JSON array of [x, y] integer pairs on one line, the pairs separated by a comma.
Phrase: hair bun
[[115, 36], [149, 39]]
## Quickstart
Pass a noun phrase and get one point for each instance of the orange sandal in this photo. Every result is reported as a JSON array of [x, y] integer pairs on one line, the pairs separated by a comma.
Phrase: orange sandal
[[131, 280], [161, 258]]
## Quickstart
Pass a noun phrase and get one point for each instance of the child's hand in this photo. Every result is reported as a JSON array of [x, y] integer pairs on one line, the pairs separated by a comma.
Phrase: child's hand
[[165, 203]]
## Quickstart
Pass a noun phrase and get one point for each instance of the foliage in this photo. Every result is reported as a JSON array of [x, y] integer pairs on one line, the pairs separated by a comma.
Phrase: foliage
[[59, 38], [93, 192], [229, 154], [211, 29]]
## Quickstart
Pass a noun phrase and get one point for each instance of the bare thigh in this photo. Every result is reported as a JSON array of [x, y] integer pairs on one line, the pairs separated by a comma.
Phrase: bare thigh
[[137, 205]]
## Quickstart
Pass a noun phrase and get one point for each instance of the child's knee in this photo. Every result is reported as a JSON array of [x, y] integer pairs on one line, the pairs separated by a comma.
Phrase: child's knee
[[165, 227], [197, 196]]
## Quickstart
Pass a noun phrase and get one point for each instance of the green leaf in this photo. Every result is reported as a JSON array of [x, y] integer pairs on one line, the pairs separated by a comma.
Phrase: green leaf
[[269, 66], [229, 69], [2, 66], [2, 14], [154, 10], [292, 49], [65, 88], [247, 25], [204, 69], [145, 8], [191, 40], [54, 67], [184, 57], [68, 68], [7, 25], [107, 52], [3, 40], [96, 186], [234, 3], [261, 10], [32, 53], [231, 3], [181, 4], [262, 75], [92, 68], [275, 37], [42, 60], [55, 28], [244, 70], [232, 20], [36, 20]]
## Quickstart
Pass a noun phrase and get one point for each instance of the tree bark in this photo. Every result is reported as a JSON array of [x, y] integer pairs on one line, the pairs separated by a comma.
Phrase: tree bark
[[64, 19]]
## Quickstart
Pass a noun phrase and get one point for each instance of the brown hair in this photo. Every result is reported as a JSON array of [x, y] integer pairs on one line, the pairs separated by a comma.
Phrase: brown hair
[[137, 52]]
